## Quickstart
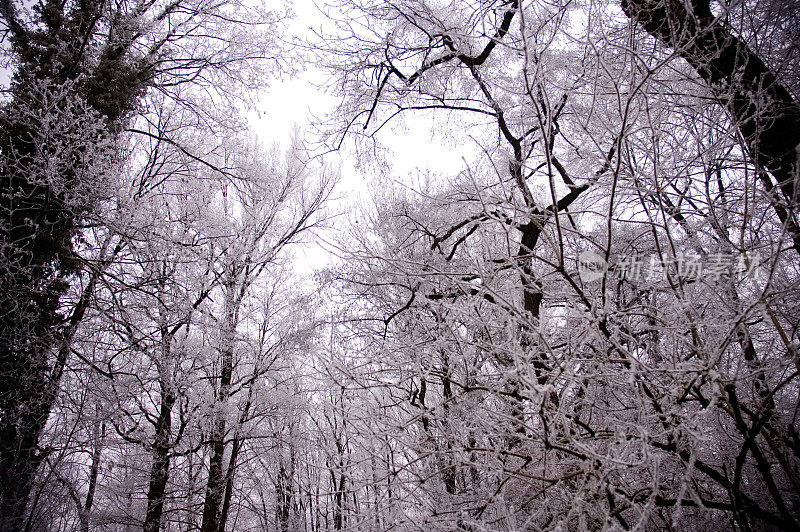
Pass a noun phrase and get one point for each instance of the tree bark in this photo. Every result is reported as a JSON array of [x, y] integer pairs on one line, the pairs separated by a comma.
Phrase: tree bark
[[162, 445], [93, 474], [159, 473], [283, 494], [215, 490], [226, 502], [338, 497]]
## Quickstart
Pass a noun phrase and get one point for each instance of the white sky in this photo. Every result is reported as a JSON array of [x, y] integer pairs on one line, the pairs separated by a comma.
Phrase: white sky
[[292, 104]]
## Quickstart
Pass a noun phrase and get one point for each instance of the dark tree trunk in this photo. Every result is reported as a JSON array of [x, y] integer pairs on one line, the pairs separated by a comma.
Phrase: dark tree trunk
[[18, 464], [338, 497], [216, 482], [215, 489], [236, 447], [159, 473], [763, 109], [226, 503], [93, 474], [283, 493]]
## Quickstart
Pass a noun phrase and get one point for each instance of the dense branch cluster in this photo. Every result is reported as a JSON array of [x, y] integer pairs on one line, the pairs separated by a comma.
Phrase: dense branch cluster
[[590, 323]]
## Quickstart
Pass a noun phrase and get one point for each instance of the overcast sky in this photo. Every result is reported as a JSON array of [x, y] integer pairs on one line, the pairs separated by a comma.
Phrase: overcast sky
[[294, 103]]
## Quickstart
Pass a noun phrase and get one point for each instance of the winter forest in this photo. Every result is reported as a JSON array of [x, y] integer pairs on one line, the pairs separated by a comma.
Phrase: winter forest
[[579, 310]]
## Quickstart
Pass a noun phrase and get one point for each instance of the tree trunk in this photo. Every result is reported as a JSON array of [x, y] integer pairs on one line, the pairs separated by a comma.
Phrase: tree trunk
[[19, 459], [338, 497], [283, 494], [93, 473], [216, 481], [226, 503], [215, 490], [448, 466], [159, 474], [762, 108], [162, 444]]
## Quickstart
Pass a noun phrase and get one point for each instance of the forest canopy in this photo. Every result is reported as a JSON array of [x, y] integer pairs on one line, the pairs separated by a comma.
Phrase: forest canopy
[[590, 321]]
